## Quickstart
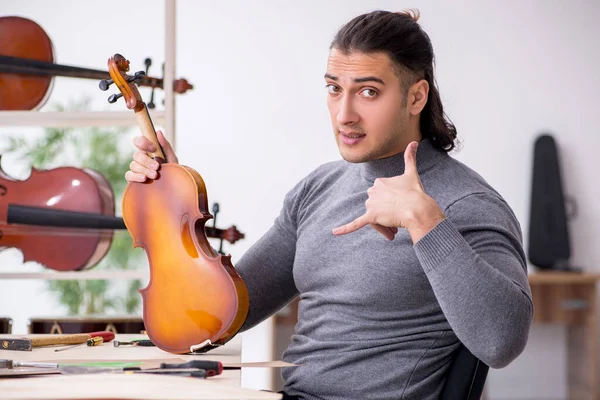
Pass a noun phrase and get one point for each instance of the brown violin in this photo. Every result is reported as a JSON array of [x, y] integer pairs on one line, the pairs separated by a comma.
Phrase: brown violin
[[27, 66], [195, 299]]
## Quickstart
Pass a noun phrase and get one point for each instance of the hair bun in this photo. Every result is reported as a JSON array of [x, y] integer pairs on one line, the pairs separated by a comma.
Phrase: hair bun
[[412, 13]]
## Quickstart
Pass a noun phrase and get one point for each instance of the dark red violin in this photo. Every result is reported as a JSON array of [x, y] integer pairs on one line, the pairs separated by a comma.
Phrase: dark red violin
[[42, 216], [27, 67]]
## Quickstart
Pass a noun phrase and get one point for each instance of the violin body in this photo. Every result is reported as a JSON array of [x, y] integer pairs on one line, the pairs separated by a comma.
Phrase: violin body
[[195, 296], [21, 37], [63, 188], [27, 67]]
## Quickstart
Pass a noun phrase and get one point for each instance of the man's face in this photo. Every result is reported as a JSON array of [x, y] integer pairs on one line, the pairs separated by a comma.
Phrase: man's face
[[367, 105]]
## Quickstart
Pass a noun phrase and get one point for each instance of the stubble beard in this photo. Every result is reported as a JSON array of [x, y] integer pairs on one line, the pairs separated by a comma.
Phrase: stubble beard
[[381, 150]]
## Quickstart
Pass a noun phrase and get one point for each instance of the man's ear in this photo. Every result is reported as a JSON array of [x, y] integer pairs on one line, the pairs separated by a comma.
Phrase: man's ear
[[417, 96]]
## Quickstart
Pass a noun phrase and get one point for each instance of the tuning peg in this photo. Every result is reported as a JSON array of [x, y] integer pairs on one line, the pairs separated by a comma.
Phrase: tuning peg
[[147, 63], [221, 247], [114, 97], [215, 211], [138, 75], [151, 102], [105, 83]]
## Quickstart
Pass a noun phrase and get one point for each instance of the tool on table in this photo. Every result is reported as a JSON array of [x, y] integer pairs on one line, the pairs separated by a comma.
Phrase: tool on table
[[10, 364], [211, 367], [78, 370], [137, 342], [95, 341], [27, 343], [191, 372]]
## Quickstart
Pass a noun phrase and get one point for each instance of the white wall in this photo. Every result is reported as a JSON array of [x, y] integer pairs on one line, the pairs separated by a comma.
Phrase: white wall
[[256, 121]]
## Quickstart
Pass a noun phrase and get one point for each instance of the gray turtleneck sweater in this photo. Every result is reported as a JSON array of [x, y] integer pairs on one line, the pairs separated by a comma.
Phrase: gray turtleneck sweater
[[380, 319]]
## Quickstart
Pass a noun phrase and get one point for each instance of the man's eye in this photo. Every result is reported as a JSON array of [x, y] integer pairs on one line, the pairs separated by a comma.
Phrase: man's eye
[[370, 93], [332, 88]]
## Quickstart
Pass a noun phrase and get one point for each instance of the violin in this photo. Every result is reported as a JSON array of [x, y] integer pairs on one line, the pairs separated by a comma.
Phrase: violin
[[27, 67], [64, 218], [196, 299], [64, 197]]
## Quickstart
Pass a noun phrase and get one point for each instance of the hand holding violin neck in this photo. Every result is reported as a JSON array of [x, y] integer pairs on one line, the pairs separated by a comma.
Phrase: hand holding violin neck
[[145, 123]]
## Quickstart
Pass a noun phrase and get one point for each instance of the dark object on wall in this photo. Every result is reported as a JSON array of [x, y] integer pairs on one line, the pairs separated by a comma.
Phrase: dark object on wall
[[549, 245], [6, 325]]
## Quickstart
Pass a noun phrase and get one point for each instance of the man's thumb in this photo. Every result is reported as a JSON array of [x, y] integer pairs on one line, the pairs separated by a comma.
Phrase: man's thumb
[[410, 158], [169, 153], [162, 139]]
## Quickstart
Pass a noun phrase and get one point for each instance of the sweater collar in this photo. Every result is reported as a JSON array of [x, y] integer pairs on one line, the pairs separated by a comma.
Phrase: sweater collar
[[427, 157]]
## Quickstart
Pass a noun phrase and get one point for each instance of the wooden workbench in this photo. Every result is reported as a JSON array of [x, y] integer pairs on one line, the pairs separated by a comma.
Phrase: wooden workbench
[[126, 386]]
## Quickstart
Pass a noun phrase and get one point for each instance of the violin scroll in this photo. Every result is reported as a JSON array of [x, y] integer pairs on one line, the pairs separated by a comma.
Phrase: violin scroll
[[182, 85], [117, 68], [232, 235]]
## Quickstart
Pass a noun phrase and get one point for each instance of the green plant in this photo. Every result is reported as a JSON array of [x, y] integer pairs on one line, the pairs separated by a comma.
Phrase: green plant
[[98, 149]]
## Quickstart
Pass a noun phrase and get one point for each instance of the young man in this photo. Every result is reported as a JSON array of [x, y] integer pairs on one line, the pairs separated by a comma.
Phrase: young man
[[398, 252]]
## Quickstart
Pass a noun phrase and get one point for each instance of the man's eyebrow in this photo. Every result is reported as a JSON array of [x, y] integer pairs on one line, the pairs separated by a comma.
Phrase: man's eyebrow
[[359, 80]]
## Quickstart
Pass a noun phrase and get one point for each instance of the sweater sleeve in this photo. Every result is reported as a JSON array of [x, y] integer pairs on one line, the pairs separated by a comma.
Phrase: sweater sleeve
[[477, 268], [267, 267]]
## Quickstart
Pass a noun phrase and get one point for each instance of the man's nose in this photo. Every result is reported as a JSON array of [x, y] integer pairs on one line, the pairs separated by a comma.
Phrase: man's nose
[[346, 113]]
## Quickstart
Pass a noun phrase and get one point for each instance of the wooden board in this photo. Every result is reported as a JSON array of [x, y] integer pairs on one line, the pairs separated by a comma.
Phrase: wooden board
[[117, 386], [134, 386], [558, 277]]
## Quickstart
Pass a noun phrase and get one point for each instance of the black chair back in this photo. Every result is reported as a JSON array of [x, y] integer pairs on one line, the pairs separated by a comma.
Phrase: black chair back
[[466, 377]]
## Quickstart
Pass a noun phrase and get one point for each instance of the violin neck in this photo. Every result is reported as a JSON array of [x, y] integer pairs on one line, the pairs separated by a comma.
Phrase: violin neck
[[148, 131], [213, 232], [28, 215], [25, 66]]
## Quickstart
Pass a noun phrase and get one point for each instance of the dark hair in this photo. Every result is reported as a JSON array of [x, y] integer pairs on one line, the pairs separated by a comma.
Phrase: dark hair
[[399, 35]]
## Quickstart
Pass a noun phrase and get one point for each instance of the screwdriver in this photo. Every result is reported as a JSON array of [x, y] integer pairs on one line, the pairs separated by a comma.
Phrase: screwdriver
[[95, 341], [212, 368], [138, 342]]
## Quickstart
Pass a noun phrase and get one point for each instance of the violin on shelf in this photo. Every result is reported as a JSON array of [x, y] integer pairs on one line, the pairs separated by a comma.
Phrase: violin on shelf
[[27, 67], [196, 299], [41, 217], [64, 218], [230, 234]]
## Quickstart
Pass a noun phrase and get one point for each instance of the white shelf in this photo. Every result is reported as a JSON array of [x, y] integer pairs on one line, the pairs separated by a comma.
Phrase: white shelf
[[77, 275], [64, 119], [75, 118]]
